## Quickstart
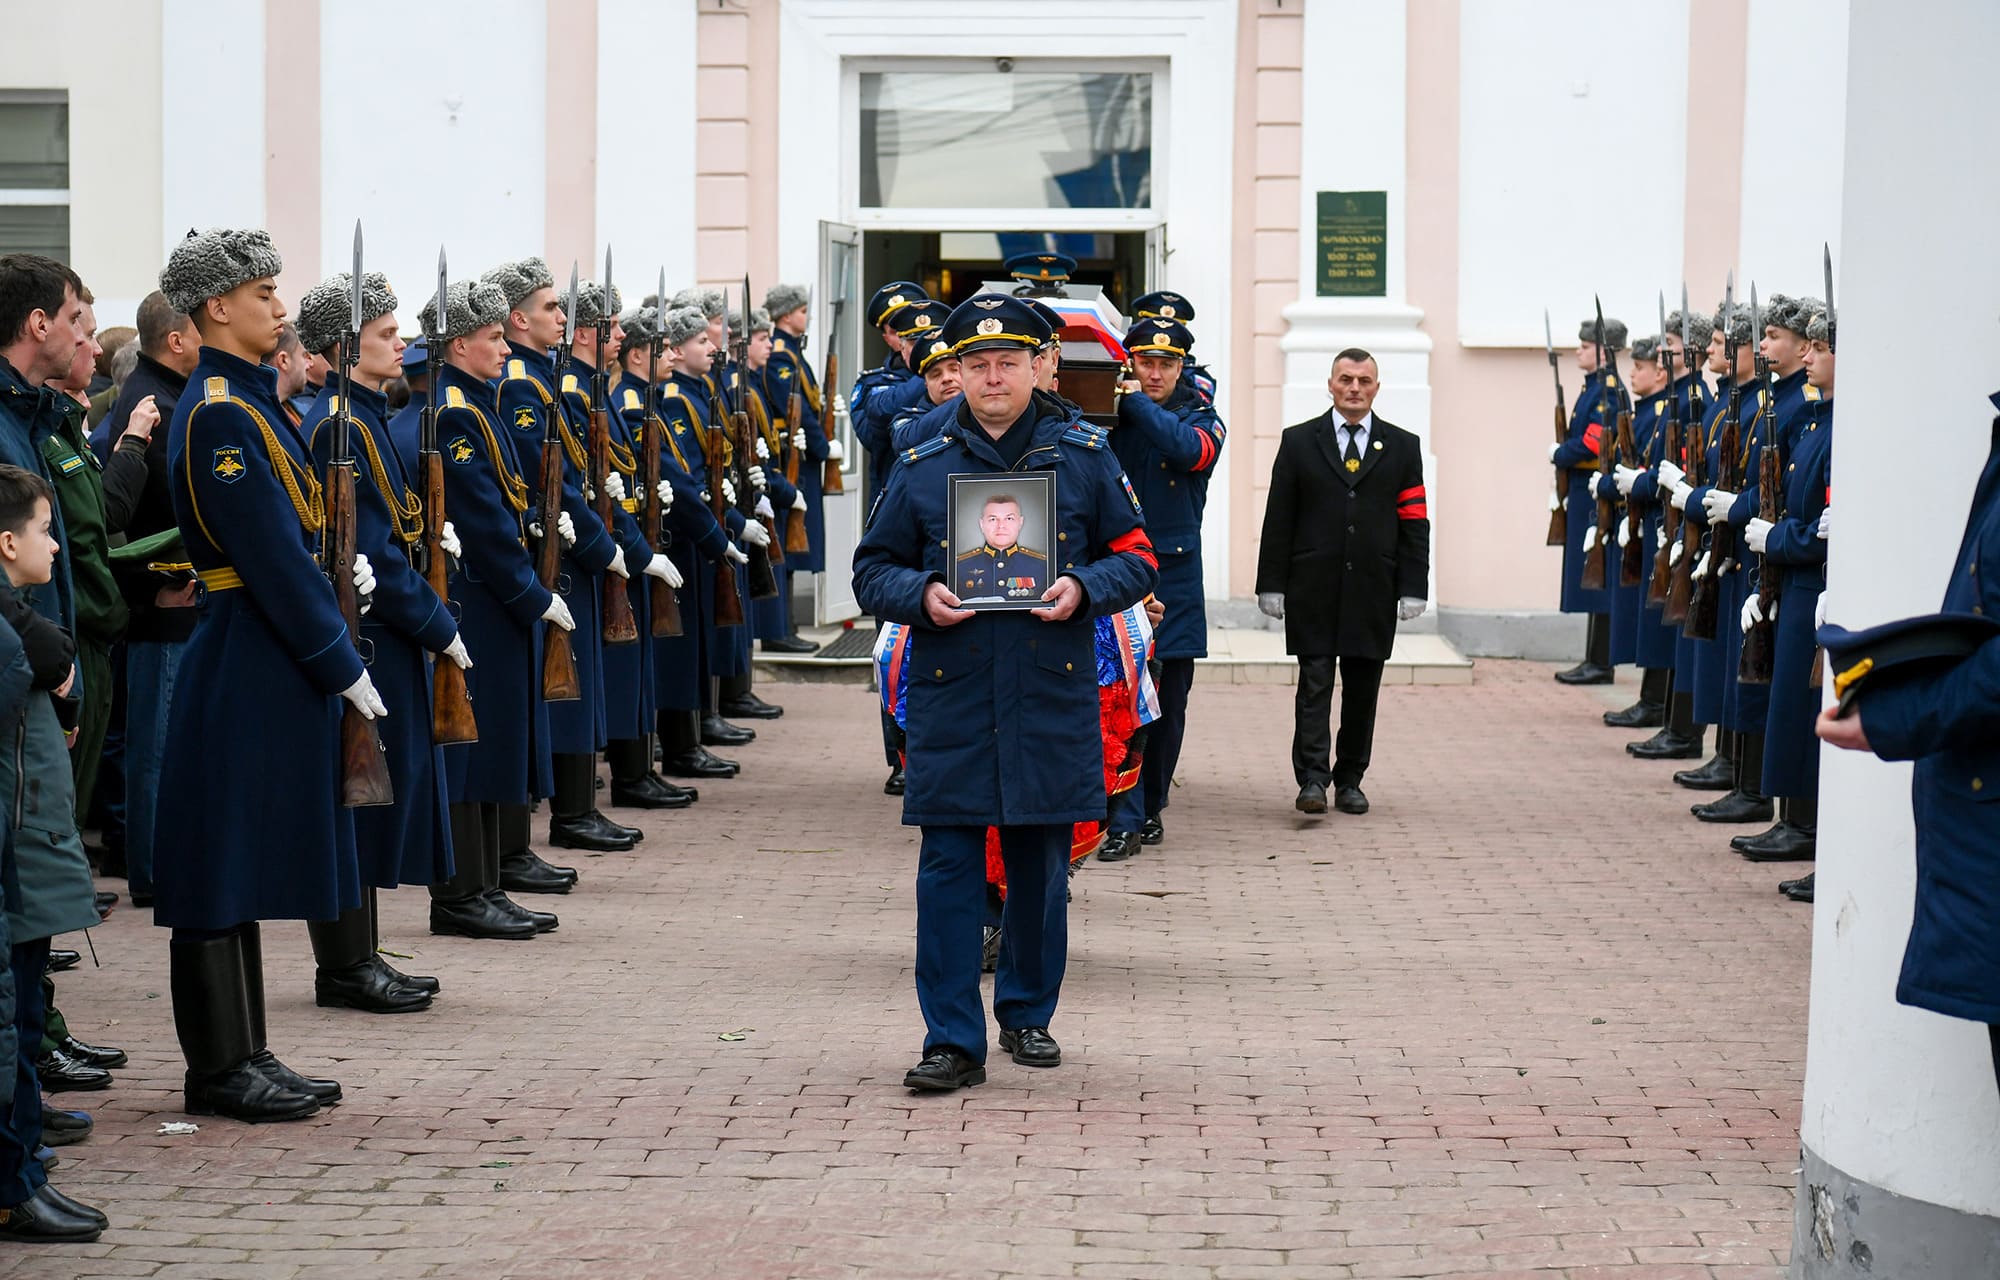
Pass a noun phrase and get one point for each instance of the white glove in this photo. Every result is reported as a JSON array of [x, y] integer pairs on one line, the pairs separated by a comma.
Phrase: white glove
[[1272, 603], [1756, 534], [1674, 556], [1597, 487], [1589, 539], [666, 492], [799, 438], [1716, 502], [589, 490], [1819, 612], [1825, 518], [558, 613], [1679, 497], [763, 507], [1624, 533], [448, 541], [834, 452], [758, 482], [1659, 537], [734, 555], [362, 694], [1409, 607], [1753, 612], [728, 491], [756, 534], [1671, 475], [1555, 501], [364, 582], [1701, 566], [1552, 450], [662, 568], [614, 485], [1623, 476], [763, 450], [456, 652], [566, 527], [617, 564], [799, 501]]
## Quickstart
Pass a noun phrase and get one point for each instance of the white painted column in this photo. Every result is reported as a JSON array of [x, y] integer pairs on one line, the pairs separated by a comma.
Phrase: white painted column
[[1901, 1124], [1353, 139]]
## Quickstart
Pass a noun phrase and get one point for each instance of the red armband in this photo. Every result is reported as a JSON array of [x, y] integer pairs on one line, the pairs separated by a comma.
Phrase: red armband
[[1593, 436], [1138, 544], [1412, 505]]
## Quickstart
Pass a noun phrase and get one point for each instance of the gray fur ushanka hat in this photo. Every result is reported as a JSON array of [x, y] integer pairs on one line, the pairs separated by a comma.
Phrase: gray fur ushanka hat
[[1820, 327], [708, 301], [1736, 323], [641, 325], [590, 306], [1615, 333], [210, 263], [783, 299], [1794, 315], [519, 280], [1647, 348], [683, 323], [323, 310], [760, 322], [1700, 328], [470, 305]]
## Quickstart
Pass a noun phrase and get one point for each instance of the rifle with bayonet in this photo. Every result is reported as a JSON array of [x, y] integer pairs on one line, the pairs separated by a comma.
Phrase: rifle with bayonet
[[364, 768], [1594, 576], [620, 627], [559, 679], [829, 396], [719, 459], [763, 581], [797, 541], [1632, 543], [451, 702], [1704, 608], [1754, 662], [1558, 523], [664, 607], [1673, 449]]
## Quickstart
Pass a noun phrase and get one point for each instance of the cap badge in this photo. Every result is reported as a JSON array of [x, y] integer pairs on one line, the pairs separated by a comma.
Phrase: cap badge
[[923, 322], [990, 325], [1167, 310], [987, 304], [895, 299]]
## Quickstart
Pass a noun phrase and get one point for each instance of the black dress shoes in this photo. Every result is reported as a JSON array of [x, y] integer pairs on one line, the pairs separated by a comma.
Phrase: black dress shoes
[[95, 1055], [1640, 715], [1666, 745], [371, 990], [1032, 1047], [1586, 673], [590, 831], [1118, 846], [61, 959], [943, 1070], [1737, 806], [477, 917], [717, 732], [749, 706], [324, 1092], [793, 643], [648, 792], [1350, 800], [43, 1219], [543, 921], [420, 981], [64, 1128], [696, 762], [1154, 831], [60, 1073], [989, 948], [1312, 799], [1719, 774], [244, 1092], [894, 786], [1782, 843], [67, 1205], [1800, 890], [522, 871]]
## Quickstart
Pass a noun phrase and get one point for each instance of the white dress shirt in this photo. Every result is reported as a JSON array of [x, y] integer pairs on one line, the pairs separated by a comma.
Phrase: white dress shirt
[[1360, 430]]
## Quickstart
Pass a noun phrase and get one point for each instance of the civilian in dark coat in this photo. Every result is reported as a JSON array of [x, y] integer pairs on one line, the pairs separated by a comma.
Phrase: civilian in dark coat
[[1347, 539]]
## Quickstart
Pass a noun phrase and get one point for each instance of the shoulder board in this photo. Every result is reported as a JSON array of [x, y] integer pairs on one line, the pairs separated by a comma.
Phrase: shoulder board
[[517, 367], [1084, 434], [1610, 379], [214, 389], [1812, 392], [332, 406], [72, 463], [569, 384], [669, 390], [927, 448], [632, 400], [454, 398]]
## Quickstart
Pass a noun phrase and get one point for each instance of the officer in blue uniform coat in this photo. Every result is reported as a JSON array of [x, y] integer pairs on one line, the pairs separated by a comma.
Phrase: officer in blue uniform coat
[[1164, 304], [1168, 439], [1041, 274], [1002, 706], [1783, 345], [407, 842], [1943, 720], [786, 372], [528, 405], [871, 431], [1591, 425], [1794, 547], [890, 396], [266, 676], [503, 610]]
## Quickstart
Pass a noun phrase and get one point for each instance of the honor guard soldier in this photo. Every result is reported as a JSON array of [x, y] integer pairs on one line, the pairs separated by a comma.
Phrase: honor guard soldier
[[270, 639], [503, 613], [1040, 275], [1002, 707], [872, 431], [1591, 426], [793, 394], [1638, 634], [531, 411], [777, 497], [408, 842], [1168, 439], [1164, 305], [1783, 345]]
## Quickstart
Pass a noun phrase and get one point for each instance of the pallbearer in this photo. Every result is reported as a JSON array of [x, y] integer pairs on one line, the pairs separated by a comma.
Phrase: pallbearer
[[407, 842], [871, 428], [1591, 423]]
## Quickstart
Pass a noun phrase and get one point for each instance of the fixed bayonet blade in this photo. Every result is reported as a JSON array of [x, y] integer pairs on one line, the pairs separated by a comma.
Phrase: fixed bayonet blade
[[1548, 336], [1729, 291], [354, 285], [1599, 335], [606, 282], [1687, 328], [569, 310], [660, 306], [1756, 317], [443, 300], [1826, 266]]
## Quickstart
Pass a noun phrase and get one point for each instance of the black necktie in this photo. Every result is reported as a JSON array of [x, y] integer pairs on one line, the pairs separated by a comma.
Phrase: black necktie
[[1352, 458]]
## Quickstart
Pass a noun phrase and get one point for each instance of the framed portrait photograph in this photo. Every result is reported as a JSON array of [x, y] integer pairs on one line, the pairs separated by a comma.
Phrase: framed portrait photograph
[[1003, 536]]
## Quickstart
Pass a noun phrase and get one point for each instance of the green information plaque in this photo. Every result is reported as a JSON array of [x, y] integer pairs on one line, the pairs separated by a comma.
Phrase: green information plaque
[[1353, 236]]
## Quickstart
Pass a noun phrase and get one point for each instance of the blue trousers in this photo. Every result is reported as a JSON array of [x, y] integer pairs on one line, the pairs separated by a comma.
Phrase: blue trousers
[[1034, 932], [150, 668], [1163, 736], [21, 1174]]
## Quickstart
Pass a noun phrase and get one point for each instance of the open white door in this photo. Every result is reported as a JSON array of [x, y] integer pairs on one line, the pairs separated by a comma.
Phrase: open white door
[[1156, 258], [839, 328]]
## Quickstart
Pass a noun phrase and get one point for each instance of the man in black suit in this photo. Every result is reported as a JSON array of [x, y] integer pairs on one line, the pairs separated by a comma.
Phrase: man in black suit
[[1347, 539]]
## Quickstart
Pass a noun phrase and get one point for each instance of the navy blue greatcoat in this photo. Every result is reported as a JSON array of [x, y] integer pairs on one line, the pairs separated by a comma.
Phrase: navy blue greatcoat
[[260, 680], [684, 663], [731, 654], [1595, 414], [788, 370], [1629, 603], [628, 668], [408, 842], [1797, 553], [1169, 451]]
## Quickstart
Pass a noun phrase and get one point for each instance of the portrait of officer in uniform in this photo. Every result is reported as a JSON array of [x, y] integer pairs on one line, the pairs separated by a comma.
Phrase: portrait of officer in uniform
[[999, 567]]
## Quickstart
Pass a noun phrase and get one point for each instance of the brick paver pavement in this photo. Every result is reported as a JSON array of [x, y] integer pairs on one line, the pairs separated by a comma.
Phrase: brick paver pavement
[[1489, 1029]]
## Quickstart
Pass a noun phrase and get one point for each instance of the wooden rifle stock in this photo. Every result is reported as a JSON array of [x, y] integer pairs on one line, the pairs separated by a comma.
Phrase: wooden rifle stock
[[1595, 576], [797, 543], [1632, 568], [763, 582], [1661, 583], [664, 607], [1759, 644], [620, 627], [728, 601], [1558, 520], [1705, 608], [451, 702], [559, 678], [830, 481], [364, 769], [748, 431]]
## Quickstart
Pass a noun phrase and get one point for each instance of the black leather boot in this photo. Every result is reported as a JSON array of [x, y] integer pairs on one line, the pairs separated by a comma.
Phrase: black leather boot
[[634, 785], [212, 1020], [735, 699], [1596, 666], [1746, 801], [574, 822], [418, 981], [1800, 890], [490, 890], [346, 976], [459, 907], [326, 1092], [717, 732], [1719, 774], [522, 870], [681, 752], [1650, 711]]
